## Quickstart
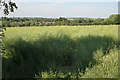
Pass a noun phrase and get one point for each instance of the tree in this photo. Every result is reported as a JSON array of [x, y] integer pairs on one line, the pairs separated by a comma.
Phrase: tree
[[7, 6], [114, 18], [98, 21]]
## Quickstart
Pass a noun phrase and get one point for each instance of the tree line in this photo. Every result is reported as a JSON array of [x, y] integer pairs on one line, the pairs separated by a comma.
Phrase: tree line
[[21, 22]]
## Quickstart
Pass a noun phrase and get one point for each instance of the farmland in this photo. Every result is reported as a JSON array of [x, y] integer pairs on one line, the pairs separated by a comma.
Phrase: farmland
[[61, 52]]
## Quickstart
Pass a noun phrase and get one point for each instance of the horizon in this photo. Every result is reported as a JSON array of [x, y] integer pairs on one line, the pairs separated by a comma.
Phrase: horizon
[[55, 17]]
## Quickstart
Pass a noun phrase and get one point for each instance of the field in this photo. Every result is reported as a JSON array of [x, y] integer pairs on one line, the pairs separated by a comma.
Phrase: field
[[61, 52]]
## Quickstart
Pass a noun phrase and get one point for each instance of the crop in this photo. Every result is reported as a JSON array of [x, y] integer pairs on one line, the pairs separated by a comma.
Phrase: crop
[[60, 52]]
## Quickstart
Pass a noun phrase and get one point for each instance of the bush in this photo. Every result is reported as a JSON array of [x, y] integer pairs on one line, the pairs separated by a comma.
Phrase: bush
[[61, 54]]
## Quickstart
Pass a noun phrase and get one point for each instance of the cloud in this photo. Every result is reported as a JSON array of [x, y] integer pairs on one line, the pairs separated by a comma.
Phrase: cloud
[[66, 0], [57, 9]]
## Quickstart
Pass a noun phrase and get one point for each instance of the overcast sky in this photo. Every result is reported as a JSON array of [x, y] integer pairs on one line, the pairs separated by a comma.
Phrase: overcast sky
[[55, 8], [66, 0]]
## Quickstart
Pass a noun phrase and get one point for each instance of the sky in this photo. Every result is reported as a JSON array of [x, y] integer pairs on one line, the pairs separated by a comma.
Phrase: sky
[[66, 0], [55, 8]]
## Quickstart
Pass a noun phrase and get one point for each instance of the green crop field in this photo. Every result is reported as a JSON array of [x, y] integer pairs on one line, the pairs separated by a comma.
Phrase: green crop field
[[61, 52]]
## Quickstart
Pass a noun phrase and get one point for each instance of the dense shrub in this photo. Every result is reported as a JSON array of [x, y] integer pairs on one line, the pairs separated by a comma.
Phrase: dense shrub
[[58, 51], [61, 54]]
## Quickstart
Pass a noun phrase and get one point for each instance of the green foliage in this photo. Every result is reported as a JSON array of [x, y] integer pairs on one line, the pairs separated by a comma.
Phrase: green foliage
[[20, 22], [7, 6], [58, 52], [108, 67]]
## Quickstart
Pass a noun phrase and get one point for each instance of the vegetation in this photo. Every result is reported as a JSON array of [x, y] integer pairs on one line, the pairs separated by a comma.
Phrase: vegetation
[[7, 6], [60, 52], [20, 22]]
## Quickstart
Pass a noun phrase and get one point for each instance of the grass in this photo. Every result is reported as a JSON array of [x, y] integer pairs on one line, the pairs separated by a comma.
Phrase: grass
[[107, 68], [66, 51]]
